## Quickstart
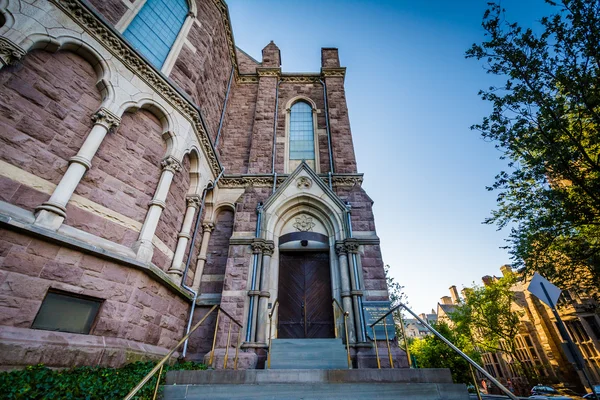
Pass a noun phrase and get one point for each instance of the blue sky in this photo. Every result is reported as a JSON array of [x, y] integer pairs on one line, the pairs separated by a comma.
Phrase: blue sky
[[412, 97]]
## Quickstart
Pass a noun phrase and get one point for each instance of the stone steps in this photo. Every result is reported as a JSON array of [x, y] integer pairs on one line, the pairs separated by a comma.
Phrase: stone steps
[[308, 354], [398, 384]]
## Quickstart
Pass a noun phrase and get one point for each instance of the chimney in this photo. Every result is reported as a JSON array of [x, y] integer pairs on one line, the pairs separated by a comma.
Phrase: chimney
[[446, 300], [465, 292], [487, 280], [271, 56], [454, 294], [330, 57], [423, 317], [506, 270]]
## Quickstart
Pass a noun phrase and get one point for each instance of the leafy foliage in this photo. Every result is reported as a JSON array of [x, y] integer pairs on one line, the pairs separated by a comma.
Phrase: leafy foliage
[[546, 121], [397, 296], [90, 383], [431, 352]]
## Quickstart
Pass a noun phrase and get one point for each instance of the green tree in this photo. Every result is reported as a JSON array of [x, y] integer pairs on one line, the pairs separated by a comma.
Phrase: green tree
[[546, 121], [431, 352], [397, 295], [487, 317]]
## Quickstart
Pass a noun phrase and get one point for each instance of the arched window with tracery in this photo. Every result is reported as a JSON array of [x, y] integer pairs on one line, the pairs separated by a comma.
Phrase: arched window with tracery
[[301, 135], [155, 27]]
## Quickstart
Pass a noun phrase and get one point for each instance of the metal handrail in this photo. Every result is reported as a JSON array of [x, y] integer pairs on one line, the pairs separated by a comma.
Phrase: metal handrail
[[163, 361], [275, 304], [447, 342], [345, 314]]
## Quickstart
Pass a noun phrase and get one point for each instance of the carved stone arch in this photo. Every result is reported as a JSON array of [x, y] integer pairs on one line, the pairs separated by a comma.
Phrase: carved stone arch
[[170, 128], [7, 19], [101, 66], [298, 98], [195, 174]]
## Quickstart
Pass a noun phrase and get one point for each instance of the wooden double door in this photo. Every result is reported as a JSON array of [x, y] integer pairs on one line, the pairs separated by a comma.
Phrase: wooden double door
[[305, 309]]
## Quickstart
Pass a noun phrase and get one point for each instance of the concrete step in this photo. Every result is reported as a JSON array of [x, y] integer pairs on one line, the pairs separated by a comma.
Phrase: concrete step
[[398, 384], [308, 354], [313, 391]]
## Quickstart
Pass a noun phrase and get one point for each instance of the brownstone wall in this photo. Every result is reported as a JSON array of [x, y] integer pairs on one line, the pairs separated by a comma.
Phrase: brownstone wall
[[246, 64], [205, 73], [262, 132], [46, 103], [136, 307], [339, 124], [218, 249], [236, 136], [112, 10], [245, 211]]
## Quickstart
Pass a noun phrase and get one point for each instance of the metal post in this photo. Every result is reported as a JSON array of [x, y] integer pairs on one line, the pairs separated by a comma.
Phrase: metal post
[[376, 350], [460, 353], [475, 382], [387, 341], [579, 363], [405, 339]]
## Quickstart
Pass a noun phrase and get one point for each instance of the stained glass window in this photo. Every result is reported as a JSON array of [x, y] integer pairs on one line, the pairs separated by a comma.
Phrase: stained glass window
[[155, 28], [302, 138]]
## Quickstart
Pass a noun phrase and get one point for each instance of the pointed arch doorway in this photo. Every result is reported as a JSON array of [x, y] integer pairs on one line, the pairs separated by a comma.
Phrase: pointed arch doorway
[[305, 310]]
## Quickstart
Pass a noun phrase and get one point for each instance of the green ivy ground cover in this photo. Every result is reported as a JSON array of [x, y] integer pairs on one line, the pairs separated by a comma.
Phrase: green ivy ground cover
[[88, 383]]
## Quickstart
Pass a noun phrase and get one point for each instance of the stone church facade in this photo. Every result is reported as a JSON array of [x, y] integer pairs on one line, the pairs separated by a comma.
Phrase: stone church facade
[[140, 176]]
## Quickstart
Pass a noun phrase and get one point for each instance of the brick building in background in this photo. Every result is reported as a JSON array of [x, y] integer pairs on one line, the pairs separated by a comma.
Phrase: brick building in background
[[539, 345], [122, 121]]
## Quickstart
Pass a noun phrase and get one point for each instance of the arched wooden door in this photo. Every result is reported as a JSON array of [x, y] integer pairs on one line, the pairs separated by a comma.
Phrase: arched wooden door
[[305, 296]]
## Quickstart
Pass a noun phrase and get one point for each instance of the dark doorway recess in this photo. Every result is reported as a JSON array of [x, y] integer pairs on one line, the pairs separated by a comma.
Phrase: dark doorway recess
[[305, 296]]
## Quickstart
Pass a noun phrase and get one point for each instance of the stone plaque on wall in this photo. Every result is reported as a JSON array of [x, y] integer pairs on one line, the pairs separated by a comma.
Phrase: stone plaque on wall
[[374, 310]]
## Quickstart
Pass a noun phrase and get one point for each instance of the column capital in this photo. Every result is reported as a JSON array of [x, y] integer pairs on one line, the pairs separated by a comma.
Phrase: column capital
[[268, 248], [10, 53], [170, 163], [208, 227], [340, 249], [257, 245], [193, 200], [351, 245], [106, 118]]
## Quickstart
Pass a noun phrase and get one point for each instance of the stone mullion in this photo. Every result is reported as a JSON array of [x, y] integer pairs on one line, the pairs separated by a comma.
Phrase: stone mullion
[[356, 291], [53, 212], [177, 267], [144, 246], [346, 290], [207, 228], [262, 320]]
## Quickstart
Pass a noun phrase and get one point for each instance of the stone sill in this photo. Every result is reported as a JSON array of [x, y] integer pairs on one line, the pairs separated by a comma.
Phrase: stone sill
[[16, 219]]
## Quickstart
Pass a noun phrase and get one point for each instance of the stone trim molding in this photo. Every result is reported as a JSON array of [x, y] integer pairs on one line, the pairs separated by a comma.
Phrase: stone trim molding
[[269, 72], [106, 118], [333, 72], [81, 160], [243, 181], [155, 202], [115, 44], [208, 227], [10, 53], [351, 245]]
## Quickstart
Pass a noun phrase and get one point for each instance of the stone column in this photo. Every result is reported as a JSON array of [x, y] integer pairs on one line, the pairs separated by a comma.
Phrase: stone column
[[177, 267], [254, 292], [263, 313], [143, 246], [207, 228], [342, 254], [53, 212], [356, 291]]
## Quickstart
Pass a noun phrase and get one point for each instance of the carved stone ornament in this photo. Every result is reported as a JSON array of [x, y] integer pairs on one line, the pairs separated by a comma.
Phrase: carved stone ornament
[[351, 245], [193, 201], [303, 183], [304, 223], [208, 227], [170, 163], [257, 246], [268, 249], [10, 53], [107, 118], [340, 249]]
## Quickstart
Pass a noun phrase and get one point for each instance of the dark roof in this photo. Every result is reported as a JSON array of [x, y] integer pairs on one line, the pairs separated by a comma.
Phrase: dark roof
[[448, 308]]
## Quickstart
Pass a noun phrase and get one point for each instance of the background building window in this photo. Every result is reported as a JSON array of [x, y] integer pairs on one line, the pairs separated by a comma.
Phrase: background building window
[[302, 137], [155, 28], [67, 313]]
